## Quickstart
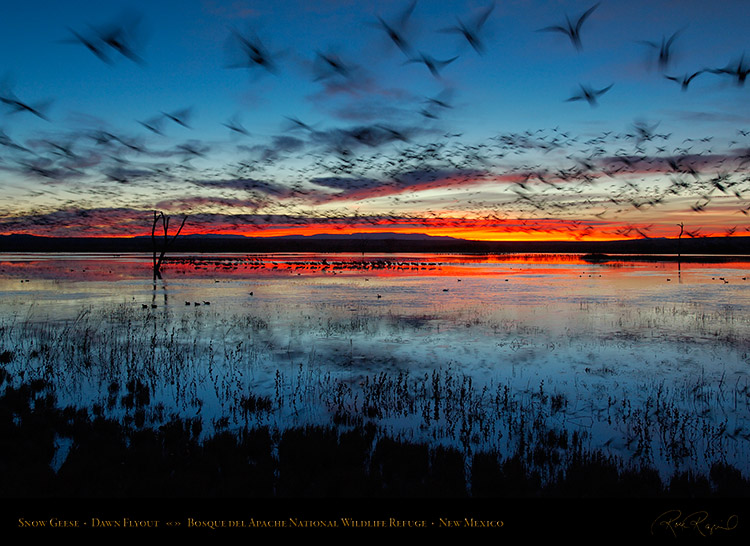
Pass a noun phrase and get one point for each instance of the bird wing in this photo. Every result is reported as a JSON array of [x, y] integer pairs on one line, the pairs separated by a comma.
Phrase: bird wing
[[554, 28], [672, 39], [483, 17], [585, 16]]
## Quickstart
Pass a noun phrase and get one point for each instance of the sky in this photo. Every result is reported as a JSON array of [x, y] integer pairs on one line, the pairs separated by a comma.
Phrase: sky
[[473, 119]]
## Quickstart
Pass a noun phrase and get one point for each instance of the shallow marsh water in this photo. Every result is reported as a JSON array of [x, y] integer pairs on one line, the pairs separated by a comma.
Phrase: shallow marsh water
[[608, 349]]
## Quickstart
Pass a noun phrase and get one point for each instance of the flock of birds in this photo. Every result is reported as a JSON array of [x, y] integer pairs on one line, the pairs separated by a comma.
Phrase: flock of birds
[[505, 182]]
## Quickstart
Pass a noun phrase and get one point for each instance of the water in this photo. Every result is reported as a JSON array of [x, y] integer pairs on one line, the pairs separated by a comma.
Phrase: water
[[603, 338]]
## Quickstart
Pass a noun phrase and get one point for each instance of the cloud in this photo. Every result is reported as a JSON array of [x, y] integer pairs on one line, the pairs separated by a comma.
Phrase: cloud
[[357, 189], [79, 222], [280, 146], [708, 117], [245, 185], [183, 204]]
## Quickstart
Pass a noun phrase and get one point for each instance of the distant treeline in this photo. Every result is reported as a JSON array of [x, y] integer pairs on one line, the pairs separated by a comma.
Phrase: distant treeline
[[729, 246]]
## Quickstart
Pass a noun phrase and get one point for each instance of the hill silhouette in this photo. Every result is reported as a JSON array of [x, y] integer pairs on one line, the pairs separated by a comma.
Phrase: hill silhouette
[[387, 243]]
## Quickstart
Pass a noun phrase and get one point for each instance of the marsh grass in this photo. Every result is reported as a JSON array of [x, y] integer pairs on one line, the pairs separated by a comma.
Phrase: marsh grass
[[127, 404]]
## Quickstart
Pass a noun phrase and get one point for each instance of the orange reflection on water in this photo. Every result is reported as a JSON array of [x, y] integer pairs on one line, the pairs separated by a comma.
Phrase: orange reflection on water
[[138, 266], [370, 265]]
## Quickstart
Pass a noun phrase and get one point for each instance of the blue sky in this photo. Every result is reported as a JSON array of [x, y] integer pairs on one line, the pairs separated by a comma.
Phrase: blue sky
[[349, 162]]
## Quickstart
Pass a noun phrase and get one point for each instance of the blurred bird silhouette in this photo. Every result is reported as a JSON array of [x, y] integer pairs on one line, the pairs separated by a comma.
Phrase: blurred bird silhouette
[[122, 36], [397, 31], [440, 100], [19, 106], [9, 98], [192, 149], [8, 142], [685, 80], [180, 117], [664, 48], [572, 30], [252, 53], [471, 31], [234, 125], [296, 123], [436, 104], [590, 95], [740, 70], [330, 65], [94, 45], [434, 65], [154, 124]]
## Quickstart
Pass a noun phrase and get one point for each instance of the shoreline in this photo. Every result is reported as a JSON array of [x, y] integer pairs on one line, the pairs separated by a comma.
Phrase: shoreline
[[711, 246]]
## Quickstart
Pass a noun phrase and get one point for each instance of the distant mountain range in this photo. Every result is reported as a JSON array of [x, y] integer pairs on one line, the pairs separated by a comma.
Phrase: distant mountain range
[[375, 236], [326, 236], [386, 242], [336, 236]]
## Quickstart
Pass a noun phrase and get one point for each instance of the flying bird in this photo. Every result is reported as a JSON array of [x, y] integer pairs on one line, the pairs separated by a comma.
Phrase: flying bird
[[8, 98], [180, 117], [436, 103], [395, 134], [153, 124], [296, 123], [8, 142], [685, 80], [94, 45], [665, 49], [440, 100], [471, 31], [254, 53], [328, 65], [397, 31], [590, 95], [739, 71], [192, 149], [235, 126], [121, 37], [573, 31], [434, 65]]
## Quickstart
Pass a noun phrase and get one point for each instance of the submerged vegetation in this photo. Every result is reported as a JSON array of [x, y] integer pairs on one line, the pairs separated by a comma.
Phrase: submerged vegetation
[[123, 403]]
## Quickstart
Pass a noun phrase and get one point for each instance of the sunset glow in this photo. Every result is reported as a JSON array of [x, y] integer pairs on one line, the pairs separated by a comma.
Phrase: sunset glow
[[271, 127]]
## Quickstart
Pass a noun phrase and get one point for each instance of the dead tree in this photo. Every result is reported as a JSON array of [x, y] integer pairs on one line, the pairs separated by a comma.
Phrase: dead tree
[[679, 251], [166, 242]]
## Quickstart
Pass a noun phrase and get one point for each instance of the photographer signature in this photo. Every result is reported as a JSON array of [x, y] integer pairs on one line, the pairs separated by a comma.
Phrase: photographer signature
[[674, 521]]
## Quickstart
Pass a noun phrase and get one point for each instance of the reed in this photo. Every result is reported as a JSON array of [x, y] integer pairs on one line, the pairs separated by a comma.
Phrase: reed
[[118, 402]]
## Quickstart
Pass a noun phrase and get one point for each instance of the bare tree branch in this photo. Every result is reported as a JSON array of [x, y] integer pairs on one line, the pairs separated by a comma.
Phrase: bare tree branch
[[157, 262]]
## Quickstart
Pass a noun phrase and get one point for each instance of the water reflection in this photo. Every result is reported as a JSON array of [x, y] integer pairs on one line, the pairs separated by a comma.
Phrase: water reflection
[[312, 333]]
